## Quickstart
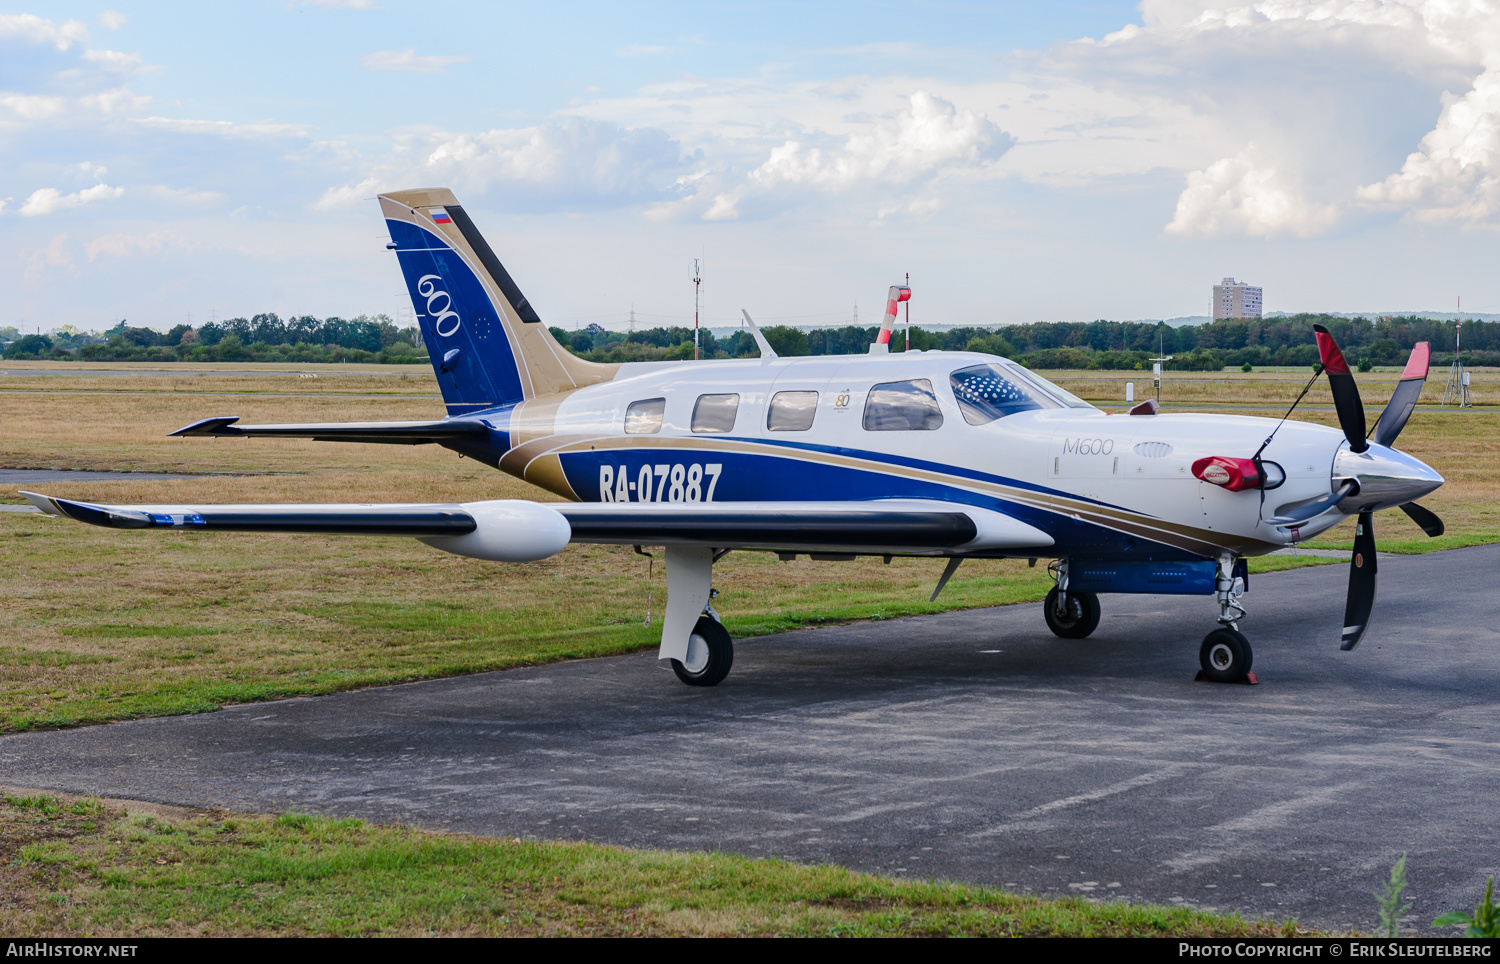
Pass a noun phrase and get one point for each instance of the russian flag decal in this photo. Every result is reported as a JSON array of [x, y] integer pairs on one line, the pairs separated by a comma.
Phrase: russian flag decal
[[439, 216]]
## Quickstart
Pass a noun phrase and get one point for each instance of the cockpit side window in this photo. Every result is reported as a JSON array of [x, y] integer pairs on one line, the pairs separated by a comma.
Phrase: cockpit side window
[[908, 406], [985, 393], [644, 417]]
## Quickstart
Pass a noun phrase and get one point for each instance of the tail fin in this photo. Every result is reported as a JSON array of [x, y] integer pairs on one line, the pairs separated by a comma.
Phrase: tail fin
[[486, 342]]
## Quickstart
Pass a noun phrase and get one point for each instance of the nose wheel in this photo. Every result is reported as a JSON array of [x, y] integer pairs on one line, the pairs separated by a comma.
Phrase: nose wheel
[[1226, 656]]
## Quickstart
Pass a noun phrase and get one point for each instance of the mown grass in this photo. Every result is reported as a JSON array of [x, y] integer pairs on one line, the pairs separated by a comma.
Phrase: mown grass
[[80, 866], [101, 625]]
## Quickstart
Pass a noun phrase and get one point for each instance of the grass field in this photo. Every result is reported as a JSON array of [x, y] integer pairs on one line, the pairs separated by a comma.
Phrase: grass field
[[102, 625], [84, 867]]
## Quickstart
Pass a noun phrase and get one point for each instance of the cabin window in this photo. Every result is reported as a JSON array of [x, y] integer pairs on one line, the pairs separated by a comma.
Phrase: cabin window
[[644, 417], [714, 414], [792, 411], [985, 393], [908, 406]]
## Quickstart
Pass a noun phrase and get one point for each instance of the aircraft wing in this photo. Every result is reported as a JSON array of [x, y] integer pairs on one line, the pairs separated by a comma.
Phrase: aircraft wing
[[395, 433], [517, 530]]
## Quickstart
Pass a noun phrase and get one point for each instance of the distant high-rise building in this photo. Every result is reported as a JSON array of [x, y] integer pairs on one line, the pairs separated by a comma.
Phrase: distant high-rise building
[[1235, 299]]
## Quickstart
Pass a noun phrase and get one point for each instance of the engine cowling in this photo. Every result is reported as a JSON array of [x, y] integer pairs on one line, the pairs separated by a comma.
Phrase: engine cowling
[[508, 530]]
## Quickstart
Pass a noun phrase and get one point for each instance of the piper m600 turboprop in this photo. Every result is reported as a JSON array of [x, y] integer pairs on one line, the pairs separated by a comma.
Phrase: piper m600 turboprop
[[953, 455]]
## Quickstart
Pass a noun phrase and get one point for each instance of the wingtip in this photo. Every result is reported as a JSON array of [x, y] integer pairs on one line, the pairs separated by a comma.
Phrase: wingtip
[[43, 502], [208, 426]]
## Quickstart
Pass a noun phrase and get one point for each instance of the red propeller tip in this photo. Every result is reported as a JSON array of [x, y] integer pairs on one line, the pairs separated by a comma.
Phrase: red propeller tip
[[1328, 350]]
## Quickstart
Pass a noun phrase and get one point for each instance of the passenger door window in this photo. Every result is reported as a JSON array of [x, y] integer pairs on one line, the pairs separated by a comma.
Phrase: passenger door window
[[792, 411], [714, 414]]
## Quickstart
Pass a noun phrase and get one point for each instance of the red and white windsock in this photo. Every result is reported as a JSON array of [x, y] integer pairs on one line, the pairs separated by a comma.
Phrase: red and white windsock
[[898, 294]]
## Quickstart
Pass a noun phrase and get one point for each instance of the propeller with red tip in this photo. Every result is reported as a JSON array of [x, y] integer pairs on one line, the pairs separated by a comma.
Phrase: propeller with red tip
[[1351, 414]]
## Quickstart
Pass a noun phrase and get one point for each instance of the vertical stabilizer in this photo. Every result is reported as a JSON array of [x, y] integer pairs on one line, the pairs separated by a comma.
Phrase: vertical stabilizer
[[487, 344]]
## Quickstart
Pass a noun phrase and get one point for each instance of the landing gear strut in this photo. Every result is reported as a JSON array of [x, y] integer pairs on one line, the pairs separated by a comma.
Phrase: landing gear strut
[[1225, 654]]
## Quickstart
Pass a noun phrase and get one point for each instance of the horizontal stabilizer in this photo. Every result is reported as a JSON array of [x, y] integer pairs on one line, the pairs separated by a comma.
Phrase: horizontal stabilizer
[[395, 433]]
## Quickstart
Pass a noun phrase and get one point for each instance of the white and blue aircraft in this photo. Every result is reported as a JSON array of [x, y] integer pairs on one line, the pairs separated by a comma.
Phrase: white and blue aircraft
[[954, 455]]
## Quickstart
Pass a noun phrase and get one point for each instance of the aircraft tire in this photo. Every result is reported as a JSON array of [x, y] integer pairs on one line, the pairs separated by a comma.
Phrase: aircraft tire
[[1226, 656], [710, 667], [1080, 618]]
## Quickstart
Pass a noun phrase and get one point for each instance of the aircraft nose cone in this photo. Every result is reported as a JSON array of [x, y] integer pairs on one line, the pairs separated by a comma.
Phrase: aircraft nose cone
[[1387, 477]]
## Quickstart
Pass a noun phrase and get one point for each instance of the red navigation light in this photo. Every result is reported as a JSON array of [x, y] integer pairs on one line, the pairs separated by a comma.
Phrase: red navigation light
[[1231, 473]]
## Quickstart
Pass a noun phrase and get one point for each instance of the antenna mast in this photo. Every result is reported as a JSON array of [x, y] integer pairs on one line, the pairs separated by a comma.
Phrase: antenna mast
[[696, 282], [1457, 385]]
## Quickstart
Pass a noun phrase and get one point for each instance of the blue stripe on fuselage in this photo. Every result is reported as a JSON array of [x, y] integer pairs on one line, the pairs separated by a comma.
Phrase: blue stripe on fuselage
[[758, 477]]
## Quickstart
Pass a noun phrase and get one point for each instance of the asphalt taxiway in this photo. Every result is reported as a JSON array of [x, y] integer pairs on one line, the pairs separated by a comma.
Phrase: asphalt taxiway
[[969, 745]]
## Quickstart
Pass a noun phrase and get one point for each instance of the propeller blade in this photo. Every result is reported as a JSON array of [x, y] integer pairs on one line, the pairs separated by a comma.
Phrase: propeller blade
[[1345, 393], [1316, 507], [1361, 583], [1404, 398], [1425, 518]]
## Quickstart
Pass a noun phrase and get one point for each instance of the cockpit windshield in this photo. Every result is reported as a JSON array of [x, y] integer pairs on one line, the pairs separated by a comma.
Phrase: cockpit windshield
[[1066, 398], [988, 392]]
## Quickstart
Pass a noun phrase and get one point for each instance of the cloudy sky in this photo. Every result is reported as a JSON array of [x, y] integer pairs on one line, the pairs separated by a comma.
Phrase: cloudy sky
[[171, 162]]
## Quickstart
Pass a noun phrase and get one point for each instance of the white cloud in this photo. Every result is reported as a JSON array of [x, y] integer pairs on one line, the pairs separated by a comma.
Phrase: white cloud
[[48, 200], [113, 19], [1241, 195], [1454, 175], [568, 163], [227, 129], [408, 61], [55, 255], [124, 245], [184, 195], [114, 61], [930, 139], [930, 136], [38, 30]]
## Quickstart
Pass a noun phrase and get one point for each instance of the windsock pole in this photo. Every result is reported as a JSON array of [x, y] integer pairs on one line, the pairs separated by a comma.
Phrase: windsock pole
[[898, 294]]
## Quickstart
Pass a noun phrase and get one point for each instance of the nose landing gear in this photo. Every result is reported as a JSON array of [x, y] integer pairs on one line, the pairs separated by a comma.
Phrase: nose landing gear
[[1225, 655]]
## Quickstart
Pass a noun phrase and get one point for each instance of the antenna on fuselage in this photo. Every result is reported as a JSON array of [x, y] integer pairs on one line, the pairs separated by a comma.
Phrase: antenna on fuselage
[[766, 351], [908, 312], [696, 282]]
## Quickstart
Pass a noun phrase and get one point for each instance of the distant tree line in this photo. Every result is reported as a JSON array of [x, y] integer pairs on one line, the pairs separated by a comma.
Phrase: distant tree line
[[1081, 345], [1075, 345], [265, 337]]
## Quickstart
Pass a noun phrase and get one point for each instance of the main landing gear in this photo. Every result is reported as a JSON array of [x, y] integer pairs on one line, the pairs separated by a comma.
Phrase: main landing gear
[[700, 649], [1071, 615]]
